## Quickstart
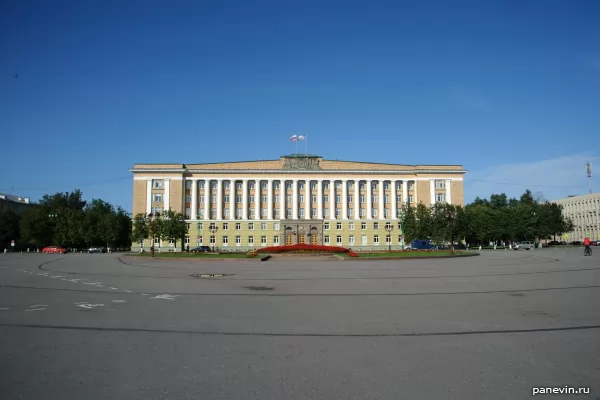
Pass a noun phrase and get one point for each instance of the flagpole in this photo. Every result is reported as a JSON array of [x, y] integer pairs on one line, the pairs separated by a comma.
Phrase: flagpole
[[306, 138]]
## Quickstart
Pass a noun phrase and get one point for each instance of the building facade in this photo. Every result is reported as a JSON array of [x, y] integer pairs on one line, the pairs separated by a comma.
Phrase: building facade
[[17, 204], [239, 206], [584, 211]]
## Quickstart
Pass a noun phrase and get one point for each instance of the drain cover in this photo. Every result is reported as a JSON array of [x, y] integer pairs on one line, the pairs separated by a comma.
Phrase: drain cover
[[259, 287], [211, 275]]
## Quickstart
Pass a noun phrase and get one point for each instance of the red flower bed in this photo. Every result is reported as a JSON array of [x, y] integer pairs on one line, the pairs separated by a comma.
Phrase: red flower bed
[[303, 248], [352, 254]]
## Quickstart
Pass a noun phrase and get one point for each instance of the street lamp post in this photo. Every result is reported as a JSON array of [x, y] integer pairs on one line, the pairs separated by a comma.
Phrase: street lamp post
[[151, 219], [389, 228], [213, 230], [450, 218]]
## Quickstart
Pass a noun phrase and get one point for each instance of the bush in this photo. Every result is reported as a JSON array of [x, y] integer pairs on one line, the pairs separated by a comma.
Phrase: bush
[[303, 248], [252, 254]]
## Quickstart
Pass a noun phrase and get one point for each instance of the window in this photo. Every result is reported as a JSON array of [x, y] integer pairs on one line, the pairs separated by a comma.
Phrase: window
[[226, 212], [399, 238], [263, 212], [289, 199], [351, 240], [276, 185], [238, 240], [362, 198], [276, 225], [363, 226], [325, 185], [301, 198], [288, 185], [351, 226], [158, 197], [158, 184], [374, 213], [225, 226], [251, 185], [157, 210], [250, 240], [350, 199], [156, 242], [373, 185], [399, 225], [374, 199], [398, 199], [199, 226], [263, 198], [276, 239], [326, 239], [361, 186], [202, 185], [252, 213], [350, 212], [239, 213], [325, 199], [326, 212], [263, 240], [338, 185], [213, 198], [313, 212], [301, 185], [226, 185], [440, 197], [338, 198], [199, 240], [289, 212], [226, 198], [386, 212], [238, 199], [338, 226], [440, 184], [388, 239], [264, 185], [386, 186], [276, 198], [213, 241], [363, 240], [263, 226], [350, 185], [277, 213], [225, 241], [363, 212], [326, 226], [212, 225], [213, 213], [238, 185], [314, 198], [202, 213], [338, 239], [388, 225], [171, 243], [313, 185], [386, 199], [410, 198], [375, 225], [238, 226], [250, 226], [376, 240], [202, 199], [251, 198], [188, 213], [213, 184], [338, 212], [302, 212], [410, 185]]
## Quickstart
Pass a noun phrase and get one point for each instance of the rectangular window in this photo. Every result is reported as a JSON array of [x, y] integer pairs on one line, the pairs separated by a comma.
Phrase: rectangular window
[[313, 185], [188, 213], [410, 185], [375, 225], [313, 212], [289, 199], [238, 199], [338, 199], [338, 239], [374, 213], [238, 226], [440, 197], [363, 240], [238, 185], [302, 212], [410, 198], [325, 226], [171, 243], [201, 198], [226, 198], [276, 225], [156, 242], [326, 213], [202, 213], [212, 226], [252, 213], [399, 185], [276, 185], [213, 184], [276, 239], [314, 198], [351, 240], [263, 212], [264, 185], [363, 212], [238, 240], [263, 226], [213, 241], [250, 226], [338, 185], [376, 240], [213, 198], [374, 199], [386, 199], [388, 239], [325, 185], [363, 226], [158, 197], [202, 185], [251, 185], [225, 241], [251, 198], [289, 213], [263, 198], [350, 199], [199, 240], [386, 212], [440, 184], [188, 198], [386, 186], [225, 226], [388, 225], [226, 212], [263, 240], [301, 198], [186, 240], [326, 239], [226, 185], [338, 212], [362, 198], [199, 226], [239, 213], [158, 184], [213, 213], [301, 185], [277, 213], [350, 212], [399, 199], [361, 186], [351, 226], [276, 198], [288, 185], [250, 240], [338, 226], [325, 199]]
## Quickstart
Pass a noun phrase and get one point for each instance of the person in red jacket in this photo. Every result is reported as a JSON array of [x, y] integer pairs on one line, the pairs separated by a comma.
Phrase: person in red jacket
[[586, 243]]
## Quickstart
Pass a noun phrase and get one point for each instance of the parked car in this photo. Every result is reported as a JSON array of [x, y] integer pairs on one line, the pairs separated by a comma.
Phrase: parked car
[[97, 249], [200, 249], [419, 244], [524, 245], [54, 250]]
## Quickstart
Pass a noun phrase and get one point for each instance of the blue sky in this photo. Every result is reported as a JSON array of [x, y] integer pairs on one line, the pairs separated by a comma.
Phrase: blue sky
[[509, 89]]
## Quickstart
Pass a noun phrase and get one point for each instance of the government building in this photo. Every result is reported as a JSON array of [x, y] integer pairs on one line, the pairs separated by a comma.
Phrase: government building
[[299, 198], [584, 212]]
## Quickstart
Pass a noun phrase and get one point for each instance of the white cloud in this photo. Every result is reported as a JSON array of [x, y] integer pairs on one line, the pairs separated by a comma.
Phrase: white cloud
[[553, 178]]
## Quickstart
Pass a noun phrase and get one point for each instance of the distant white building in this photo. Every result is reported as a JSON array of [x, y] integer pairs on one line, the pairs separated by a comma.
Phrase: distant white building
[[15, 203], [584, 211]]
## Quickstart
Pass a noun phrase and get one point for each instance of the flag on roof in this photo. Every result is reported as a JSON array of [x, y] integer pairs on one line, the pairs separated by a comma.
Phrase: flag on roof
[[300, 137], [294, 138]]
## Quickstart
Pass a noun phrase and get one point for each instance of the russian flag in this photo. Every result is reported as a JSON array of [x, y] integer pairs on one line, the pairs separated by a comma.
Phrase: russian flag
[[294, 138]]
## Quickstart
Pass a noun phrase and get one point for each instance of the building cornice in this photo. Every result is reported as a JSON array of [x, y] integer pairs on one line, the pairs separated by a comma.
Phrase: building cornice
[[295, 171]]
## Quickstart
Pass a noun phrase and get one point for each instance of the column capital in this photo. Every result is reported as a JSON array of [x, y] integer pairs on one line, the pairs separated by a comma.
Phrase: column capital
[[218, 179]]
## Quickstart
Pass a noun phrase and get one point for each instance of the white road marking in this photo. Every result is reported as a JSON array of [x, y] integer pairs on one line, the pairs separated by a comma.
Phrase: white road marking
[[118, 301], [128, 291], [39, 305], [57, 276], [164, 297], [88, 306], [4, 308], [113, 288], [145, 294], [91, 283], [81, 302], [43, 273], [99, 286], [36, 309]]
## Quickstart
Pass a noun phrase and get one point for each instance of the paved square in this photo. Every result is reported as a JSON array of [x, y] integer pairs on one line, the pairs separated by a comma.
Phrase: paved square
[[105, 326]]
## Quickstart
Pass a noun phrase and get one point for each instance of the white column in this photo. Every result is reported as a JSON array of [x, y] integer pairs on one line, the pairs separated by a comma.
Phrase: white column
[[356, 199], [245, 199], [380, 213], [432, 190], [232, 198], [148, 196], [369, 199], [207, 199], [270, 199], [331, 199], [294, 198], [220, 198], [167, 194], [194, 213], [405, 191], [282, 196], [415, 193], [345, 199], [320, 199], [448, 196], [307, 200], [257, 195], [394, 209]]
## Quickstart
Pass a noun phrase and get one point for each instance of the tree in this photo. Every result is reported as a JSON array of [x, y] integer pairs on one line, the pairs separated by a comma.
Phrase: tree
[[439, 224], [409, 223], [36, 227], [424, 222], [173, 226], [141, 228], [9, 228]]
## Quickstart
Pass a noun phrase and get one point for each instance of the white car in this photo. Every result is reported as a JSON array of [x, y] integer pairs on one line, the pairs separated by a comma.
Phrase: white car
[[524, 245]]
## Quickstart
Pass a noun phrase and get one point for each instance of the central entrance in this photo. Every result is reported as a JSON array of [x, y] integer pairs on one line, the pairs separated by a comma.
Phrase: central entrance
[[302, 231]]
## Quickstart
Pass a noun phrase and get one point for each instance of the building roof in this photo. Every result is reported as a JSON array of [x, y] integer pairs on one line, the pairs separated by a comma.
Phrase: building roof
[[14, 199], [578, 198]]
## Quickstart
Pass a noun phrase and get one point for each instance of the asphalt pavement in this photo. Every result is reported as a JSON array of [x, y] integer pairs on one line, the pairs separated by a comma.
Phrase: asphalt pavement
[[109, 326]]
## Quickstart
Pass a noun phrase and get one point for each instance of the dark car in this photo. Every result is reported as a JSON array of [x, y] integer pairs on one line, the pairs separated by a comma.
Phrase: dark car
[[200, 249], [97, 249], [419, 244]]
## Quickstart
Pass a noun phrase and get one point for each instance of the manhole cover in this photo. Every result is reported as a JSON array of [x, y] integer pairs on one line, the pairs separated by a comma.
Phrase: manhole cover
[[259, 287], [211, 275]]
